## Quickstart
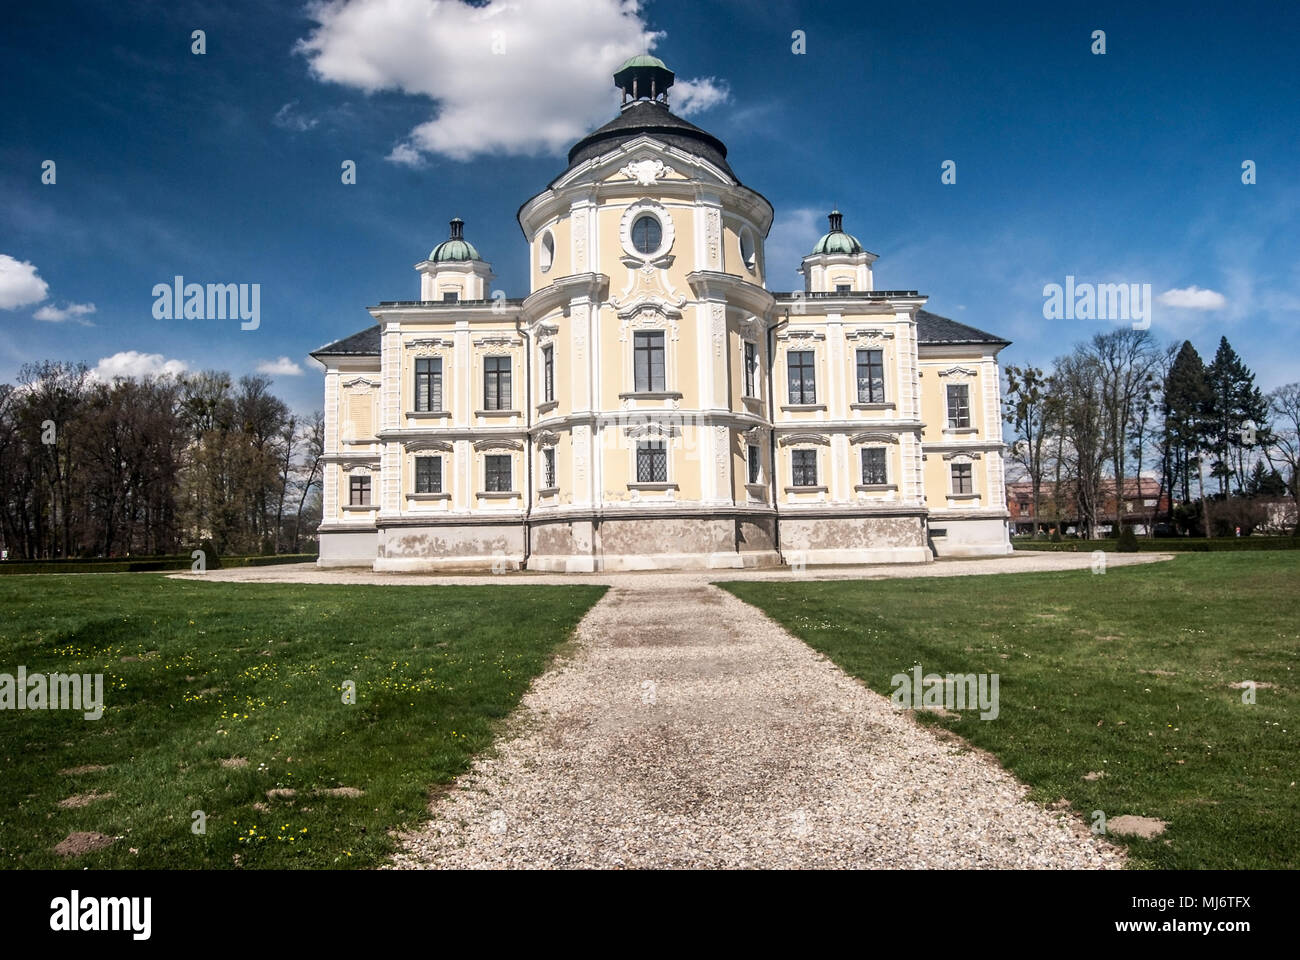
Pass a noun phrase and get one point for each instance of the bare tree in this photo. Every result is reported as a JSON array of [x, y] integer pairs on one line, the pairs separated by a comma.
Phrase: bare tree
[[1284, 440]]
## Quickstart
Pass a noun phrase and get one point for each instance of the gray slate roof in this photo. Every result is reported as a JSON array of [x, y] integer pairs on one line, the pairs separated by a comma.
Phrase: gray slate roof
[[930, 328], [654, 120], [362, 344]]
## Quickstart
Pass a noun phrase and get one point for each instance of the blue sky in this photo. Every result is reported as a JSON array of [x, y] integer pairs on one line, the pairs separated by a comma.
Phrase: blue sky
[[225, 167]]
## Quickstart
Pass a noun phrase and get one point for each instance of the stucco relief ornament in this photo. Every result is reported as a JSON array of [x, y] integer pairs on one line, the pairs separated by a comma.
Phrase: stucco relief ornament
[[869, 335], [646, 172], [648, 314], [719, 316], [427, 347], [957, 373]]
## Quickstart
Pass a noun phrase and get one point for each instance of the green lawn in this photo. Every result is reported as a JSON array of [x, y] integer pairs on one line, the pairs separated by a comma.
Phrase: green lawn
[[1126, 674], [253, 675]]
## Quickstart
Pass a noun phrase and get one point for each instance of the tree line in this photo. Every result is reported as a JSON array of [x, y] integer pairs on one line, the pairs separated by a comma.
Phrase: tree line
[[153, 465], [1121, 404]]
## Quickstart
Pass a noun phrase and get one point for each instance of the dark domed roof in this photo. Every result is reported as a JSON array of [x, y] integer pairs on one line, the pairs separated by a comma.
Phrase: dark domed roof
[[652, 118]]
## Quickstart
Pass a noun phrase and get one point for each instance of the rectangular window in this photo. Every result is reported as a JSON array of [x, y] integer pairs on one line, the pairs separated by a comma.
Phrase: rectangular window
[[450, 296], [804, 463], [751, 370], [803, 381], [874, 473], [648, 356], [358, 491], [548, 468], [428, 383], [755, 464], [548, 374], [962, 480], [496, 383], [842, 288], [871, 376], [496, 473], [428, 474], [958, 406], [651, 462]]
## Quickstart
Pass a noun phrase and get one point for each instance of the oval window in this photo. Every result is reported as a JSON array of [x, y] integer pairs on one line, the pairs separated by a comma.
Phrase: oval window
[[546, 254], [647, 234], [747, 249]]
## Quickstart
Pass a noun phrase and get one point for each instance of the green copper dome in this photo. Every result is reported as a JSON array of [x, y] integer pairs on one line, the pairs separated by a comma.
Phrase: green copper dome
[[642, 60], [455, 247], [837, 241]]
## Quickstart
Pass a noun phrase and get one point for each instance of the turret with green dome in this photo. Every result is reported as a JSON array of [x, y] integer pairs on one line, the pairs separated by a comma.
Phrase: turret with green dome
[[837, 241], [455, 247]]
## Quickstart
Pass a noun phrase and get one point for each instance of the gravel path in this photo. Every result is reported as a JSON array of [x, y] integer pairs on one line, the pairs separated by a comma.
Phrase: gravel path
[[686, 729], [689, 730]]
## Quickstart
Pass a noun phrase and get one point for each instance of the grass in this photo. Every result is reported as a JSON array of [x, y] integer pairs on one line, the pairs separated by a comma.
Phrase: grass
[[1128, 674], [200, 673]]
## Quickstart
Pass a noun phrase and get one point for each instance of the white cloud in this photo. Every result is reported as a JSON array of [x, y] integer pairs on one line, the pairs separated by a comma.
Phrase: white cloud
[[130, 363], [1193, 298], [406, 155], [20, 285], [289, 118], [73, 311], [507, 76], [280, 367], [695, 96]]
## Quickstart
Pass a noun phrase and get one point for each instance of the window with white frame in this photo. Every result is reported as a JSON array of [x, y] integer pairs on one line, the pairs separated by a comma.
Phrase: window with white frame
[[428, 384], [963, 480], [428, 474], [754, 460], [801, 369], [871, 376], [958, 406], [648, 361], [803, 468], [359, 490], [548, 468], [751, 369], [496, 383], [496, 473], [874, 470], [651, 462], [548, 373]]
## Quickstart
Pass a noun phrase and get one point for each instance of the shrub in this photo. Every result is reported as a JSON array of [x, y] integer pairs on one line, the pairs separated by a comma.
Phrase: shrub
[[1128, 541], [210, 556]]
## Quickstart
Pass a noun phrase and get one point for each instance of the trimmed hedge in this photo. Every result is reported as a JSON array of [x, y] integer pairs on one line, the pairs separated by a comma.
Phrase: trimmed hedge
[[1165, 544], [141, 565]]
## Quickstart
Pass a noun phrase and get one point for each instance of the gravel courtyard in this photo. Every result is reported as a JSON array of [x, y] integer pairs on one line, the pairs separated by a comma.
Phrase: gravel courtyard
[[686, 729]]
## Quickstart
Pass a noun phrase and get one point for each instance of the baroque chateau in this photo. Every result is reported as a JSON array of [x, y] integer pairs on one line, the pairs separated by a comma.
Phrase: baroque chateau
[[651, 403]]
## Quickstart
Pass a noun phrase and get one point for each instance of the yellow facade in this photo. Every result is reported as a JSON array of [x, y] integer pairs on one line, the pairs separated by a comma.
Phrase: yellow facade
[[650, 403]]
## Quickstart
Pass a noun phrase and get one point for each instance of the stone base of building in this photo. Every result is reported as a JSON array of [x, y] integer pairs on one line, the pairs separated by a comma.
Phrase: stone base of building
[[838, 537], [664, 540], [969, 536], [347, 548]]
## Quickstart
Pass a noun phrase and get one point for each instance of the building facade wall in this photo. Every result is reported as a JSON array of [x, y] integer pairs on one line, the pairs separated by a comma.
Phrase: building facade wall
[[717, 408]]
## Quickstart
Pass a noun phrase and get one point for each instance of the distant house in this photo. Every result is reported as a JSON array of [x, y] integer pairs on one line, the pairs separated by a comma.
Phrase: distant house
[[1144, 505]]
